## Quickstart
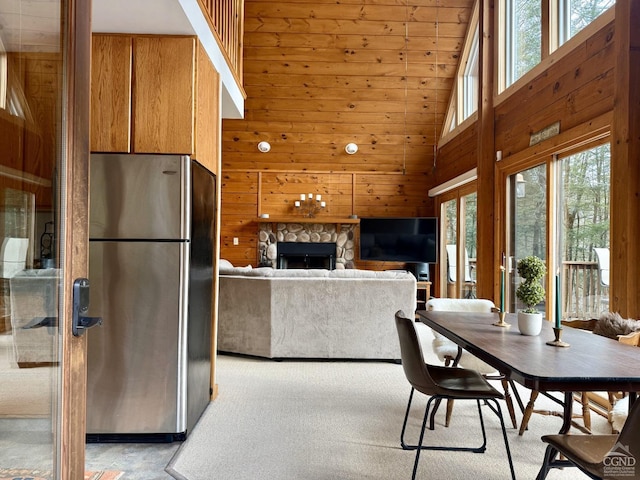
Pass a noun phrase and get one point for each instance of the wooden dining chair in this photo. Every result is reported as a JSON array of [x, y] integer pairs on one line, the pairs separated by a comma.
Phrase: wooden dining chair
[[585, 398], [439, 382], [598, 456]]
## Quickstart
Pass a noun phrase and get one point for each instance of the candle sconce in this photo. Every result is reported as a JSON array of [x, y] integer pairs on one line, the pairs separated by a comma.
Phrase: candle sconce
[[308, 205]]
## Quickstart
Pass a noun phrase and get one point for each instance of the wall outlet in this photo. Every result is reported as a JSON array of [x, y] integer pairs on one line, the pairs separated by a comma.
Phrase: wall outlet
[[235, 241]]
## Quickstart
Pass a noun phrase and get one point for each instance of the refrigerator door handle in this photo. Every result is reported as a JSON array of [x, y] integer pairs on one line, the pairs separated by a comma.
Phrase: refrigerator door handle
[[81, 306]]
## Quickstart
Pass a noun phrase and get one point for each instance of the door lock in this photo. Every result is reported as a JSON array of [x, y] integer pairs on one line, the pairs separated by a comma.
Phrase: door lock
[[80, 322]]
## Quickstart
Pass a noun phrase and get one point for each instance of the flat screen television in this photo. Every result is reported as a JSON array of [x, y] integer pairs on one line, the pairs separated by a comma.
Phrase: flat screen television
[[409, 240]]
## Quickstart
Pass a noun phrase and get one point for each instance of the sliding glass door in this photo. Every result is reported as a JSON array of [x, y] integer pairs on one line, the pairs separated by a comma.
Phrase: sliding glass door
[[527, 232], [458, 243], [563, 202], [44, 85], [583, 214]]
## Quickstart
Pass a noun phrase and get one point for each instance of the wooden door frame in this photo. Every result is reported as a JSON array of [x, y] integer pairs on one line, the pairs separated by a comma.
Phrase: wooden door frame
[[74, 200]]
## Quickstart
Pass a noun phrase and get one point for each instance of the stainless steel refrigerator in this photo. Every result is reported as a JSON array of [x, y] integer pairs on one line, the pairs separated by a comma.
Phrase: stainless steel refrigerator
[[150, 273]]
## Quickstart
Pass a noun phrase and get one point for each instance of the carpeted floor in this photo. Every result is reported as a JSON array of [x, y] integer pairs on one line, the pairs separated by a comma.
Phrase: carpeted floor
[[341, 420]]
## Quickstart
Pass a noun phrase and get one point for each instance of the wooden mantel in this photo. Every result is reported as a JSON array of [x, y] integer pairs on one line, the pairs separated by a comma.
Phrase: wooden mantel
[[301, 219]]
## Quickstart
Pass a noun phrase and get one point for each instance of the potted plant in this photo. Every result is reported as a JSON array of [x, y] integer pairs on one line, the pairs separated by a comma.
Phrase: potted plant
[[530, 293]]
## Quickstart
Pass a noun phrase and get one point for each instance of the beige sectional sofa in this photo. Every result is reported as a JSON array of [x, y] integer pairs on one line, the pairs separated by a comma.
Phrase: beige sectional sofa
[[312, 313]]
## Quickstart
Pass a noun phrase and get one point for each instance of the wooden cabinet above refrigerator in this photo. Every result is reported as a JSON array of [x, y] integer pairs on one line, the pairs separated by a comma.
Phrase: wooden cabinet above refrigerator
[[153, 94]]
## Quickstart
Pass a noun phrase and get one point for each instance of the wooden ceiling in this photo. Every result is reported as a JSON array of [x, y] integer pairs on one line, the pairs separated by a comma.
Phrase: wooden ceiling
[[322, 73]]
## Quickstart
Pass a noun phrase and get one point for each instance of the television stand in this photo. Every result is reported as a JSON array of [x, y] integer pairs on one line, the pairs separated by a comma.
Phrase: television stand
[[423, 293]]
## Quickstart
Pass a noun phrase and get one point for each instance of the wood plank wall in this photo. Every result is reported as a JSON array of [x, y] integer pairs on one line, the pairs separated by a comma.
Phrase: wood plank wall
[[320, 74]]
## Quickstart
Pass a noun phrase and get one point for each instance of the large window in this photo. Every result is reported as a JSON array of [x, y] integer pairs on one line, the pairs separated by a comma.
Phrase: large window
[[522, 37], [574, 15], [530, 30], [463, 102], [470, 80]]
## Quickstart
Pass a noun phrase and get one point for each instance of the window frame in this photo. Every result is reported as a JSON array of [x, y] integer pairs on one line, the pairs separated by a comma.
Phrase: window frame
[[454, 120], [469, 93]]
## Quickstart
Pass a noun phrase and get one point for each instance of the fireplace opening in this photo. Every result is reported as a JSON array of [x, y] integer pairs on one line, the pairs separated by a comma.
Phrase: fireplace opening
[[306, 255]]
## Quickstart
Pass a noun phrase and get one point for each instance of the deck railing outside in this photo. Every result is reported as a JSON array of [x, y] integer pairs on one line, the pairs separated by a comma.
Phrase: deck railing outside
[[583, 296], [226, 18]]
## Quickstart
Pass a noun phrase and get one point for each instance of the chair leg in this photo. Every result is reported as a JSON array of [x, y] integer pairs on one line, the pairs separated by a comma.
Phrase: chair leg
[[549, 455], [404, 424], [447, 419], [509, 402], [517, 396], [434, 410], [419, 446], [498, 412], [586, 410], [528, 411], [492, 404], [482, 448]]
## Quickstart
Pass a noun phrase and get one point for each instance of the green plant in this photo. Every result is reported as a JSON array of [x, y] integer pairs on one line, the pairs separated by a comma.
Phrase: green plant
[[530, 291]]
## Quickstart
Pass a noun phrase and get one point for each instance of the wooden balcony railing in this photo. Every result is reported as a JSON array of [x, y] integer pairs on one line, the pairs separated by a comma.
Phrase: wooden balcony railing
[[583, 296], [226, 19]]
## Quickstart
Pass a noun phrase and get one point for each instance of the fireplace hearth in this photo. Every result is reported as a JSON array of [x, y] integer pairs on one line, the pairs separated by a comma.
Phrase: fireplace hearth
[[306, 255]]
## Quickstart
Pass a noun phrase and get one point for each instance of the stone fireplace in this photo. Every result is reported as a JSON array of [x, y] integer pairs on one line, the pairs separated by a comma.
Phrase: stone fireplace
[[306, 255], [307, 245]]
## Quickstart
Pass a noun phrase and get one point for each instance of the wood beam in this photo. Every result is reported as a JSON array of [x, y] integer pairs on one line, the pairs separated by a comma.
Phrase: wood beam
[[625, 164], [488, 249]]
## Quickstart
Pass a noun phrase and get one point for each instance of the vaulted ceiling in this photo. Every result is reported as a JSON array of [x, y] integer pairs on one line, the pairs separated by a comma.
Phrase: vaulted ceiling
[[319, 74]]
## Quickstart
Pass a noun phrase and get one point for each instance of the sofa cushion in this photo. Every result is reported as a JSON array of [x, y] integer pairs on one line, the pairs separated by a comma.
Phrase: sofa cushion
[[352, 273], [259, 272], [235, 270], [301, 273]]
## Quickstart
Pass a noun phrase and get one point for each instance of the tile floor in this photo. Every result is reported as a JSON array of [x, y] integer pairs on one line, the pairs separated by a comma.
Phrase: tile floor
[[139, 461], [25, 440], [26, 443]]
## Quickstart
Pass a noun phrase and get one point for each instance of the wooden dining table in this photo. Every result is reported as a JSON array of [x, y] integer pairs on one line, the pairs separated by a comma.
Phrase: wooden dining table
[[590, 362]]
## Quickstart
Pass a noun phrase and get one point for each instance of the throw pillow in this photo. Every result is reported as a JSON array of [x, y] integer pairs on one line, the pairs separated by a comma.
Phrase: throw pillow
[[222, 263], [611, 325]]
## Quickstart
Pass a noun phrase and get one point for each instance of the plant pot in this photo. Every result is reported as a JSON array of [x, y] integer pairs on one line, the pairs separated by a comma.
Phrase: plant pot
[[530, 323]]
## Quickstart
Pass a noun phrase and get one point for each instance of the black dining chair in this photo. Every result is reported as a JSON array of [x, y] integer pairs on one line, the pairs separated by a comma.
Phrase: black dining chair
[[443, 383], [608, 456]]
